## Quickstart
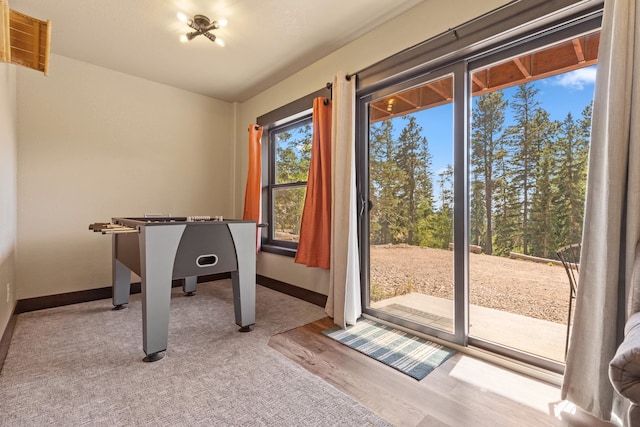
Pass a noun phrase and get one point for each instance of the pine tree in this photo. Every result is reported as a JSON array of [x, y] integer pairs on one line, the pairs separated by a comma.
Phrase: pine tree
[[416, 189], [383, 183], [522, 138], [571, 157], [488, 119], [506, 208], [478, 213], [440, 222], [542, 235]]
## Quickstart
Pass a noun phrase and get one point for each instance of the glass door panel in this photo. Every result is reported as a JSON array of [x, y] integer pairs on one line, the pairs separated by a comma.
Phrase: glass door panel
[[531, 118], [411, 274]]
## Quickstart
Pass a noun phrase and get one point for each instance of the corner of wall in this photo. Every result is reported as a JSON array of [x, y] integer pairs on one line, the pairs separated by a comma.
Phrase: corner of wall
[[8, 192]]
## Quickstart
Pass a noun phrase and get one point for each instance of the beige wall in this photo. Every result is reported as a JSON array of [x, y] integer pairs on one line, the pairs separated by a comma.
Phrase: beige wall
[[424, 21], [93, 144], [8, 191]]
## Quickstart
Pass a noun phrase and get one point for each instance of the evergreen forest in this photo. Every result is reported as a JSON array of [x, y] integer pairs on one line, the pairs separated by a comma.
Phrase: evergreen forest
[[527, 179]]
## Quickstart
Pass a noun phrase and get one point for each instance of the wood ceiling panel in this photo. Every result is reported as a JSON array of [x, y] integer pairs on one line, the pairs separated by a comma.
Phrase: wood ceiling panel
[[561, 58]]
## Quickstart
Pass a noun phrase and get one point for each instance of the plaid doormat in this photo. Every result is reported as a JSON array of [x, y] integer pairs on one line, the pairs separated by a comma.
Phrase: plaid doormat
[[407, 353]]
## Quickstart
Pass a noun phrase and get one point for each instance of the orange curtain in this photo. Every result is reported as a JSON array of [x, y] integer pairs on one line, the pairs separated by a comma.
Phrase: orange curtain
[[253, 191], [314, 246]]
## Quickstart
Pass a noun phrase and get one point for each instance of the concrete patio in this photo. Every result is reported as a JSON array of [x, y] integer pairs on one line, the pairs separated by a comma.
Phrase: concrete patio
[[539, 337]]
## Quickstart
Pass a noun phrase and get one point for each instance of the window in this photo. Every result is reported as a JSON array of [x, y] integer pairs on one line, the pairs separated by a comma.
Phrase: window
[[287, 138], [289, 156]]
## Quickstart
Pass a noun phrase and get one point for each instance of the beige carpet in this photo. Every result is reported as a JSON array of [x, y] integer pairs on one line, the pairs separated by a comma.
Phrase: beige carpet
[[81, 365]]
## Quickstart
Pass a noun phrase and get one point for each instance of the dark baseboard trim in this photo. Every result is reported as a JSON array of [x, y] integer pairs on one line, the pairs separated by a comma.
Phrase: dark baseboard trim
[[6, 338], [294, 291], [59, 300]]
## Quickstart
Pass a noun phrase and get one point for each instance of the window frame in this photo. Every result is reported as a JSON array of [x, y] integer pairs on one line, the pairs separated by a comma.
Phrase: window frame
[[279, 118], [273, 186]]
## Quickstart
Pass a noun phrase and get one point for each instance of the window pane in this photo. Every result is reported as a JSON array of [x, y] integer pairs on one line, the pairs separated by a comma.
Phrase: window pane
[[287, 213], [293, 153]]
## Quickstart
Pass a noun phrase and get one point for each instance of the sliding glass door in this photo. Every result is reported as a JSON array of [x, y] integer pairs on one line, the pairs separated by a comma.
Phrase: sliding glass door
[[475, 176]]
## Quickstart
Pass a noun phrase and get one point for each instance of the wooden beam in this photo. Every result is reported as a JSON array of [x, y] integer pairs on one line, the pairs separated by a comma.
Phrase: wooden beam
[[577, 46], [439, 91], [405, 99], [476, 79], [525, 73], [376, 107]]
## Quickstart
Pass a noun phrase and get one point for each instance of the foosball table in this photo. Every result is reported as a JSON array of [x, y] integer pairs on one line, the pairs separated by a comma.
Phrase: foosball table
[[160, 249]]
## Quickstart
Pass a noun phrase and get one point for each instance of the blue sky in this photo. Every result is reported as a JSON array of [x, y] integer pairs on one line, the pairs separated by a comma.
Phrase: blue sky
[[559, 95]]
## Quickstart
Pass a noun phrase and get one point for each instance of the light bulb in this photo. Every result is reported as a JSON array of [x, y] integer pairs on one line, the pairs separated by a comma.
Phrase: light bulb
[[222, 22], [184, 38], [219, 42], [182, 17]]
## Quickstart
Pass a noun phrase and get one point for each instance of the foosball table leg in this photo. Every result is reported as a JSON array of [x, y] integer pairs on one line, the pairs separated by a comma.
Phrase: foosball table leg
[[121, 285], [189, 285]]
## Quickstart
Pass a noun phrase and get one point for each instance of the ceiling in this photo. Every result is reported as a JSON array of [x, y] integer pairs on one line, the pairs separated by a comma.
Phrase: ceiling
[[266, 41]]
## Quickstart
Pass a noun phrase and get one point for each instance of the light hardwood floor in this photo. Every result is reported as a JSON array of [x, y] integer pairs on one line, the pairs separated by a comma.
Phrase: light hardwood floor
[[463, 391]]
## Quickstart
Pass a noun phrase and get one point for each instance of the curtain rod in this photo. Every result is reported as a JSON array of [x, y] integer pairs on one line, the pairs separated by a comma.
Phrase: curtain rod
[[452, 31]]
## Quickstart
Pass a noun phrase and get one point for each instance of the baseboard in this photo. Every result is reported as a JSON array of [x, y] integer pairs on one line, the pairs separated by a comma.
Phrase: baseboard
[[6, 338], [59, 300], [291, 290]]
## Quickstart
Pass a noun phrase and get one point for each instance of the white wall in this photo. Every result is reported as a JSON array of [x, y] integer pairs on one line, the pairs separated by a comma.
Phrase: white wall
[[94, 144], [8, 191], [420, 23]]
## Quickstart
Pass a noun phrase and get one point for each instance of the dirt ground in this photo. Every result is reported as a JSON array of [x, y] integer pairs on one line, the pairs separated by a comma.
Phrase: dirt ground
[[524, 287]]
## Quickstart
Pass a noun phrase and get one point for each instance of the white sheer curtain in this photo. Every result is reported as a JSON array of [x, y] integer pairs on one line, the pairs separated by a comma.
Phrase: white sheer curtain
[[343, 301], [612, 212]]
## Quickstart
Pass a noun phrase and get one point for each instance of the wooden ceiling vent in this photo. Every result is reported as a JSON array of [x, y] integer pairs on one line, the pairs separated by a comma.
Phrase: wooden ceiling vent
[[24, 40]]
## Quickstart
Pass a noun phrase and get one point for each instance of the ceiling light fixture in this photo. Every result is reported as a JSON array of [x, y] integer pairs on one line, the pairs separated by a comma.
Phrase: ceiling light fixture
[[202, 25]]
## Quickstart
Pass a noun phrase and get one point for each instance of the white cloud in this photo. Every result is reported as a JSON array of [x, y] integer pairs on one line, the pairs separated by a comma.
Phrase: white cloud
[[576, 79]]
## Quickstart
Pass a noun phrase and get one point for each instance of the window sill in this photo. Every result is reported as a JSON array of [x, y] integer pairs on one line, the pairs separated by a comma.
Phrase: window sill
[[278, 250]]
